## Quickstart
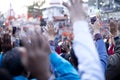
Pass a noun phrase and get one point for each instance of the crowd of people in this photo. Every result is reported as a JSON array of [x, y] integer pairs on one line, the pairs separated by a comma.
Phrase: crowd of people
[[42, 53]]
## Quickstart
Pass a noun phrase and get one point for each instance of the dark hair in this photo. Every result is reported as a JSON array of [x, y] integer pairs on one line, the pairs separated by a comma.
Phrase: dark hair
[[74, 58], [12, 62], [119, 26], [64, 48], [113, 28], [98, 36], [4, 75], [1, 42], [6, 45]]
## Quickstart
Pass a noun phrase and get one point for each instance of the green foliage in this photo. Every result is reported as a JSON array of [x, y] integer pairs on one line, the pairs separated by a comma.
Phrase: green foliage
[[38, 4]]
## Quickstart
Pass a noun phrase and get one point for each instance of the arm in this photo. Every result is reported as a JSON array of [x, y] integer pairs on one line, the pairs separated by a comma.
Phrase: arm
[[63, 69], [89, 63], [102, 53]]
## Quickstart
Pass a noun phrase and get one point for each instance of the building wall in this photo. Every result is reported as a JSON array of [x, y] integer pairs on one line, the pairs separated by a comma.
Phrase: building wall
[[53, 11]]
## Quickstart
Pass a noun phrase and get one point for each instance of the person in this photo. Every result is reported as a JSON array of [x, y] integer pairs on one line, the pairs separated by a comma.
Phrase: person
[[73, 59], [88, 60], [4, 75], [64, 51], [42, 53], [12, 63], [1, 52], [106, 40], [84, 50], [101, 48], [111, 48], [113, 70], [6, 44]]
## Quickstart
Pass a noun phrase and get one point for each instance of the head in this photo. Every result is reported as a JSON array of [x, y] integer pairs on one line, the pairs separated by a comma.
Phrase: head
[[4, 75], [6, 45], [119, 27], [1, 42], [12, 62], [113, 28], [64, 48], [97, 36]]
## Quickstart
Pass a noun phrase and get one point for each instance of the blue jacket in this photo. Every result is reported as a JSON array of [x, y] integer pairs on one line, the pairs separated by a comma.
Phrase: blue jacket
[[62, 68], [20, 78], [0, 60], [102, 53]]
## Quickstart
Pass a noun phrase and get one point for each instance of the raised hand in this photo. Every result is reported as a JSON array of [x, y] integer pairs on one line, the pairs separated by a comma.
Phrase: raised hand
[[37, 57], [96, 27], [50, 32], [76, 10]]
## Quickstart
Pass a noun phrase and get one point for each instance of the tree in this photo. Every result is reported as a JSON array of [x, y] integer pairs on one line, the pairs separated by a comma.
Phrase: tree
[[35, 7]]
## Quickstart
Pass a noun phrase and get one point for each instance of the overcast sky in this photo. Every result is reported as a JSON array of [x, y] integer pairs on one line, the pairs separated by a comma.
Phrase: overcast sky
[[19, 6]]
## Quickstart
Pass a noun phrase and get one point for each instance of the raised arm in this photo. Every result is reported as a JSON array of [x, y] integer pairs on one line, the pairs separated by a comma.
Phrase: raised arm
[[89, 62]]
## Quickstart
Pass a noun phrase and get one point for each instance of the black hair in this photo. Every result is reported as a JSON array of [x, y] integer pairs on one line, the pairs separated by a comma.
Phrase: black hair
[[4, 75], [6, 43], [12, 62], [63, 50], [1, 42], [74, 58]]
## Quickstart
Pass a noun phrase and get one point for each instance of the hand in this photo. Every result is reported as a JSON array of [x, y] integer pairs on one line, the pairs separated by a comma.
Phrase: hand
[[96, 27], [50, 32], [37, 58], [76, 10]]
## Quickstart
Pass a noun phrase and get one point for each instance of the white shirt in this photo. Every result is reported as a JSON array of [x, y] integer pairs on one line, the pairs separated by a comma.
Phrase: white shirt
[[89, 63]]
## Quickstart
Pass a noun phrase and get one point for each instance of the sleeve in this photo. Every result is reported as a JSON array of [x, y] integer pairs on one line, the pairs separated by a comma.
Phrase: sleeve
[[62, 68], [102, 53], [89, 63]]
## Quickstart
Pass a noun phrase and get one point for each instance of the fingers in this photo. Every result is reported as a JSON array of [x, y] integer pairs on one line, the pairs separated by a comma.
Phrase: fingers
[[46, 45], [26, 42], [34, 40], [75, 1], [66, 5], [40, 39], [71, 1]]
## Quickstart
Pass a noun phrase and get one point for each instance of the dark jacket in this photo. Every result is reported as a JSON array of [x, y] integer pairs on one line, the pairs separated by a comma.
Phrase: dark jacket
[[113, 70]]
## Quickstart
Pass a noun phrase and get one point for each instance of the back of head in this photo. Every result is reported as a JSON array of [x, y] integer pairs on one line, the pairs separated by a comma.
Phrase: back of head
[[1, 42], [12, 62], [119, 27], [6, 45], [4, 75], [64, 48], [113, 28]]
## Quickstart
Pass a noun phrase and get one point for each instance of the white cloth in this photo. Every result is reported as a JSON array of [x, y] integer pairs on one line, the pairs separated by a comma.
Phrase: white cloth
[[89, 63]]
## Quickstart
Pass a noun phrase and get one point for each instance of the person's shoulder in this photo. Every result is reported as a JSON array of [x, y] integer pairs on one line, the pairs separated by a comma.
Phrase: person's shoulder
[[20, 78]]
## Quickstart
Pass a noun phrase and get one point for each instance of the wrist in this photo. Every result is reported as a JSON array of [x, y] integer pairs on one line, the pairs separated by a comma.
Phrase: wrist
[[78, 19], [96, 32], [43, 76]]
